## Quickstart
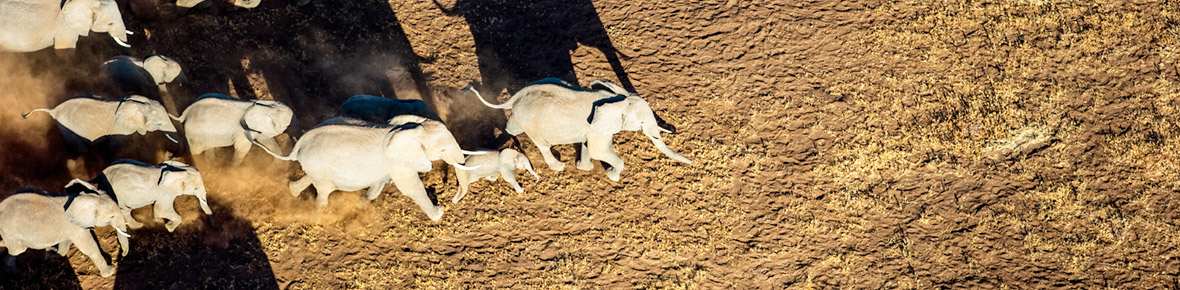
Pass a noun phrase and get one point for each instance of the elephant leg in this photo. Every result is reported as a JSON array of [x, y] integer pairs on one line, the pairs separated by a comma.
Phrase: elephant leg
[[463, 177], [241, 147], [602, 148], [163, 209], [550, 160], [131, 222], [14, 249], [510, 177], [89, 247], [584, 158], [408, 183], [374, 190], [10, 262], [322, 189], [63, 247], [296, 187]]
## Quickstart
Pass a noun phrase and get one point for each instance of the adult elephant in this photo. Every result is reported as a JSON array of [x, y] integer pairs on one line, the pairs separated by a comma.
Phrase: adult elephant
[[349, 155], [217, 120], [553, 112], [379, 110], [84, 119], [39, 220], [31, 25]]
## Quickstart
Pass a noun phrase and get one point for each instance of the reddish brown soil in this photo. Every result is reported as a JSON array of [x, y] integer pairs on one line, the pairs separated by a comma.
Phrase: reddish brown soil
[[956, 144]]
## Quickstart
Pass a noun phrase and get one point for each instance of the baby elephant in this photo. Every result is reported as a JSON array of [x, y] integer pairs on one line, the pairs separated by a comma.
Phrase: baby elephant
[[34, 219], [492, 165], [136, 184]]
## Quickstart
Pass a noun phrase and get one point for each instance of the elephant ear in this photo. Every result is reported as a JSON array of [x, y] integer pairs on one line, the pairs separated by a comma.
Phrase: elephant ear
[[83, 212], [162, 69], [78, 15], [256, 120], [130, 114], [403, 145], [607, 116]]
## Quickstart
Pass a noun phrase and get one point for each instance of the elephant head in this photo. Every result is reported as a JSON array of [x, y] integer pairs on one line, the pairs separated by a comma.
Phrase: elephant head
[[515, 160], [266, 118], [83, 16], [629, 113], [419, 141], [142, 115], [183, 179], [163, 70], [91, 207]]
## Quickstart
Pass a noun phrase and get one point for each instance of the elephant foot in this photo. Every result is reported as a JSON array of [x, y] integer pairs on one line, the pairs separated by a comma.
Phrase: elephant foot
[[614, 174], [107, 271], [585, 166], [438, 213], [171, 226], [557, 166]]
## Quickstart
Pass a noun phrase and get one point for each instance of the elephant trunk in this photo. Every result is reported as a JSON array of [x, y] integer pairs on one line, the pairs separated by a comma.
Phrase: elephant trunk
[[121, 233], [205, 208], [655, 139], [119, 34]]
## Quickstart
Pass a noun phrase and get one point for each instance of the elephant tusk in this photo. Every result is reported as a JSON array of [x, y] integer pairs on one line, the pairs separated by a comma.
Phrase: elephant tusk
[[120, 42], [170, 138], [121, 233], [535, 174], [664, 130], [130, 33], [465, 152], [460, 166]]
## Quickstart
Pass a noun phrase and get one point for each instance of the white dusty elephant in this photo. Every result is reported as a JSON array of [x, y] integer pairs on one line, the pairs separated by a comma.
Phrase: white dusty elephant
[[31, 25], [492, 165], [379, 110], [146, 77], [39, 220], [553, 112], [342, 155], [217, 120], [136, 184], [83, 120]]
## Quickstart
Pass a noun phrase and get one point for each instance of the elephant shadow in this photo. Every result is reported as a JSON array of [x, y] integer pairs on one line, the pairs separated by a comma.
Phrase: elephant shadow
[[41, 269], [311, 57], [196, 256], [519, 42]]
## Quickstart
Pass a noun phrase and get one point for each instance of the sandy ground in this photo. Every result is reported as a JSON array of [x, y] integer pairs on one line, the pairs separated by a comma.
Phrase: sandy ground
[[959, 144]]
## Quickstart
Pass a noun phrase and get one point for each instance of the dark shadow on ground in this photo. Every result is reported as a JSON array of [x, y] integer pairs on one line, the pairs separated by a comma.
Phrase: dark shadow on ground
[[519, 42], [311, 57], [195, 256]]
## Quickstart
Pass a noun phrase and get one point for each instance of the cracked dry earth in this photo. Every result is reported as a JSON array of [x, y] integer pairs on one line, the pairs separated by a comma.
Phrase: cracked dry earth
[[836, 144]]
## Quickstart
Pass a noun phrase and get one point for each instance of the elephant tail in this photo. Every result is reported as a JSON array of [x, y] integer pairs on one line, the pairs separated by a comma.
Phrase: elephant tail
[[505, 105], [290, 157], [26, 115], [181, 117]]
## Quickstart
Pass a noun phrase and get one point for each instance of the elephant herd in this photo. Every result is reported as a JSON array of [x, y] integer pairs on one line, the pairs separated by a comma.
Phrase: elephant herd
[[372, 141]]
